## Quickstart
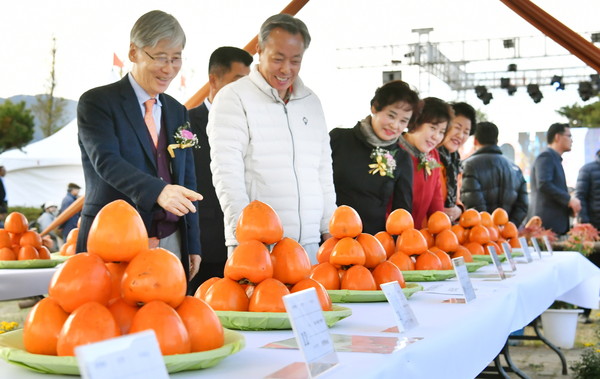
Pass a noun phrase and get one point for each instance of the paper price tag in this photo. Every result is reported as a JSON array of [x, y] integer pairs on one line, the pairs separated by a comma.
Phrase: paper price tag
[[526, 250], [548, 244], [310, 330], [496, 260], [405, 317], [536, 246], [133, 356], [509, 257], [463, 278]]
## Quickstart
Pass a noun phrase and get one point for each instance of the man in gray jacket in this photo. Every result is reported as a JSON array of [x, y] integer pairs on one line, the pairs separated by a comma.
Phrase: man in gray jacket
[[490, 180], [269, 140]]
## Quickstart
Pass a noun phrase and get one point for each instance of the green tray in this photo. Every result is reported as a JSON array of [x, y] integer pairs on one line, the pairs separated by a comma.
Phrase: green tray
[[31, 263], [476, 265], [348, 296], [487, 258], [273, 320], [428, 275], [12, 351]]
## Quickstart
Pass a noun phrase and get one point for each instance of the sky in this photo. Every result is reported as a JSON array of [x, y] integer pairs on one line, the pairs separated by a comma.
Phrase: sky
[[89, 32]]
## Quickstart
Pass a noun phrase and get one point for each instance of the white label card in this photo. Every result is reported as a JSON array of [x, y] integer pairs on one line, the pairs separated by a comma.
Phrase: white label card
[[496, 260], [536, 246], [509, 257], [526, 250], [133, 356], [463, 278], [310, 330], [548, 244], [405, 317]]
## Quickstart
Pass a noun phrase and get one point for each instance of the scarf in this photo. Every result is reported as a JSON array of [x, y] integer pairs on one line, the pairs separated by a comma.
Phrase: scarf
[[426, 162], [370, 136], [451, 162]]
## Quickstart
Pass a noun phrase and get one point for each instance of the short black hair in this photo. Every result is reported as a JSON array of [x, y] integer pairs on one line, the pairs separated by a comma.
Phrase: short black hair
[[486, 133], [221, 59], [72, 186], [554, 129], [465, 110], [393, 92], [434, 111]]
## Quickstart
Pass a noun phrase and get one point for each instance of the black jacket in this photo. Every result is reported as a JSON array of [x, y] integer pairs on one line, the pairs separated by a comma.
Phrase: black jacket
[[368, 194], [491, 181], [588, 192]]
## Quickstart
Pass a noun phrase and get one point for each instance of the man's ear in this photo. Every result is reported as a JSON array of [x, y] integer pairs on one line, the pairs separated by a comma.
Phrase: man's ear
[[132, 52]]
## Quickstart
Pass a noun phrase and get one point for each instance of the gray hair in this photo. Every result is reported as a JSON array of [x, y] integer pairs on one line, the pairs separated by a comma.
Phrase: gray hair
[[286, 22], [155, 26]]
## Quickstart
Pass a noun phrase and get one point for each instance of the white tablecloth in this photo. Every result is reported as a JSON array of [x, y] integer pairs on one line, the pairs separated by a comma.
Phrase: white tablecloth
[[459, 340]]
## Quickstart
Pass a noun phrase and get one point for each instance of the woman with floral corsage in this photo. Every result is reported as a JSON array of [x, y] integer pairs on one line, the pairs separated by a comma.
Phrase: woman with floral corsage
[[420, 142], [370, 172]]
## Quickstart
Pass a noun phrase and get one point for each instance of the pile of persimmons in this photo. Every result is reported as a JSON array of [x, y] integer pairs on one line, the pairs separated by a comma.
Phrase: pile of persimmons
[[17, 242], [120, 286], [255, 279]]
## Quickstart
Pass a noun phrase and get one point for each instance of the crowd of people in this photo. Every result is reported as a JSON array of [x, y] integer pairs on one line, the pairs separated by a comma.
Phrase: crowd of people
[[262, 135]]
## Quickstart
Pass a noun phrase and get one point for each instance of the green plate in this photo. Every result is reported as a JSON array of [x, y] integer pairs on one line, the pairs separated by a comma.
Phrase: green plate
[[12, 351], [273, 320], [30, 263], [59, 257], [427, 275], [476, 265], [487, 258], [348, 296]]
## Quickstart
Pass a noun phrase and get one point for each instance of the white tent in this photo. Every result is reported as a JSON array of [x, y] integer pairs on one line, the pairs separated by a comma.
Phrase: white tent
[[42, 170]]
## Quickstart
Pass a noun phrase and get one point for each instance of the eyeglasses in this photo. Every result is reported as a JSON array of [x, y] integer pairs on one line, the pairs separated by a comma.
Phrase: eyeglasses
[[163, 61]]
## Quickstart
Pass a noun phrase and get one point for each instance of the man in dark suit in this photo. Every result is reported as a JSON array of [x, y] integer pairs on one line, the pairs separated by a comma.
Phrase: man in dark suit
[[226, 64], [550, 198], [3, 199], [124, 131]]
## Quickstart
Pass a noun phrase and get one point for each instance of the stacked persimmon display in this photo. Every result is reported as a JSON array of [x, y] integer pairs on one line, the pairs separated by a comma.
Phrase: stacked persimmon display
[[120, 286], [353, 260], [255, 279], [19, 243]]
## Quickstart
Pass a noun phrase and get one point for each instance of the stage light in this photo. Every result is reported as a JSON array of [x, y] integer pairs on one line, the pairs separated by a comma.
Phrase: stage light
[[534, 92], [595, 37], [483, 94], [512, 67], [558, 81], [585, 90], [509, 43], [511, 90], [595, 78], [504, 83]]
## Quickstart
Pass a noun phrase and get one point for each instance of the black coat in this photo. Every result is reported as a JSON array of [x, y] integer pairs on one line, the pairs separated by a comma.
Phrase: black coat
[[491, 181], [370, 195], [549, 194], [588, 192]]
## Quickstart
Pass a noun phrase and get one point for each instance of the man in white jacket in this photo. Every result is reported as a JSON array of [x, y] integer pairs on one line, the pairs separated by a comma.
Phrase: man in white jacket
[[269, 140]]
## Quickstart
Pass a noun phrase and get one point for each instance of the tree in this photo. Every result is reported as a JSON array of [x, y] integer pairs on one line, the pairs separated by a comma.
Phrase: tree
[[16, 125], [586, 116], [50, 110]]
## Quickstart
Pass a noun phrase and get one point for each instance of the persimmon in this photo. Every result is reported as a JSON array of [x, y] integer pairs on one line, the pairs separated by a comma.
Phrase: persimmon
[[31, 238], [358, 278], [446, 240], [290, 261], [500, 216], [268, 296], [27, 252], [117, 233], [42, 327], [258, 221], [438, 221], [402, 261], [345, 222], [486, 219], [469, 218], [249, 262], [387, 272], [460, 233], [44, 253], [154, 274], [15, 239], [444, 257], [16, 223], [428, 261], [325, 249], [494, 232], [398, 221], [89, 323], [202, 323], [326, 274], [479, 234], [493, 244], [202, 288], [374, 252], [80, 279], [462, 251], [509, 230], [347, 252], [123, 313], [387, 241], [514, 242], [5, 239], [429, 238], [72, 236], [7, 254], [70, 249], [227, 295], [322, 294], [411, 241], [116, 269], [172, 336], [475, 248]]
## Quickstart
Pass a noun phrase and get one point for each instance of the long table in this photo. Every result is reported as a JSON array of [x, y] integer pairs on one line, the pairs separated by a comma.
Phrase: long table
[[459, 340]]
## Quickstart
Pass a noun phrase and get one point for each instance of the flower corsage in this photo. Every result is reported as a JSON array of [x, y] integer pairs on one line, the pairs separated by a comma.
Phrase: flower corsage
[[184, 138], [383, 162], [427, 164]]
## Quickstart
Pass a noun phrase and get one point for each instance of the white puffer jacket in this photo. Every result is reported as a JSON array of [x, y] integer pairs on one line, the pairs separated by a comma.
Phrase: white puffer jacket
[[263, 149]]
